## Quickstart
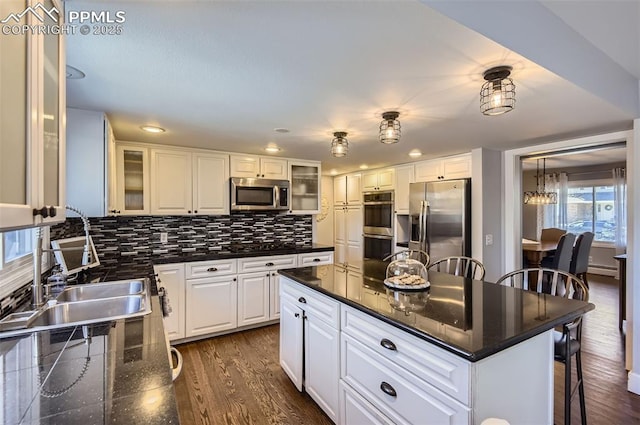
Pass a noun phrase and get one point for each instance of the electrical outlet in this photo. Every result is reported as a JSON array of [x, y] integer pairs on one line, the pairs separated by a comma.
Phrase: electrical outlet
[[488, 239], [590, 259], [164, 237]]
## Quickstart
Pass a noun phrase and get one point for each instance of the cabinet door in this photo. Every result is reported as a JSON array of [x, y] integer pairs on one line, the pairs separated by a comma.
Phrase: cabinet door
[[339, 191], [171, 277], [457, 167], [244, 166], [322, 366], [340, 235], [428, 171], [253, 298], [354, 191], [210, 184], [274, 168], [403, 177], [305, 187], [370, 181], [291, 340], [274, 296], [386, 179], [110, 171], [171, 189], [212, 305], [132, 180], [354, 223]]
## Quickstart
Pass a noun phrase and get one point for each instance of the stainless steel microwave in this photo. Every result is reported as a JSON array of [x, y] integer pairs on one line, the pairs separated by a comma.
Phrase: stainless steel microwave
[[251, 194]]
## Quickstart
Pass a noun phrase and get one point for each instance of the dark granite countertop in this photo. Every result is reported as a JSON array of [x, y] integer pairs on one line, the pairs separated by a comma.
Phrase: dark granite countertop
[[115, 372], [470, 318]]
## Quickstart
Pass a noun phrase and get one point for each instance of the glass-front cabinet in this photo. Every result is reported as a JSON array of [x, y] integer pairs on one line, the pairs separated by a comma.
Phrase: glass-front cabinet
[[132, 180], [32, 105], [305, 180]]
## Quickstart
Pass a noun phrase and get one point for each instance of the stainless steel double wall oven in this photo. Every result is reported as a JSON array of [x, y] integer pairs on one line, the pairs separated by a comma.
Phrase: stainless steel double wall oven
[[378, 224]]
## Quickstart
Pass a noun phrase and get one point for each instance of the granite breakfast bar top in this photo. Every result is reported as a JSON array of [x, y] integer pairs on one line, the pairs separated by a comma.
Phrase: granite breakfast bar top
[[472, 319]]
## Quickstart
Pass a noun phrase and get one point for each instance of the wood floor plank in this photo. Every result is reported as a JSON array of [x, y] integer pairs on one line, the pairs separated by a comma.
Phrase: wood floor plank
[[236, 379]]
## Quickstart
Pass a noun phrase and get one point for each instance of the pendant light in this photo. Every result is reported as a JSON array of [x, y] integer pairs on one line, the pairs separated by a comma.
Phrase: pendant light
[[390, 127], [339, 144], [498, 93], [540, 197]]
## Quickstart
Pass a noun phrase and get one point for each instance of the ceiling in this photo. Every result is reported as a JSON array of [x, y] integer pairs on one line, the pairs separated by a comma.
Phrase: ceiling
[[224, 75], [586, 158]]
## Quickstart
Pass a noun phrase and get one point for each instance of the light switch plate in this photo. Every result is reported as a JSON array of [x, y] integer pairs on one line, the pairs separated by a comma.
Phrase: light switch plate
[[164, 237], [488, 239]]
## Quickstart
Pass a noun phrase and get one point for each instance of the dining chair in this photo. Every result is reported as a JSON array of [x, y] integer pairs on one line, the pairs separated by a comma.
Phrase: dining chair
[[561, 259], [415, 254], [580, 257], [551, 234], [459, 266], [568, 342]]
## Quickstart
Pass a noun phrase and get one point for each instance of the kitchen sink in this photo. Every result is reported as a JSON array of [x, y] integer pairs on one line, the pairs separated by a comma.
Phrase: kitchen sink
[[90, 311], [101, 290], [83, 305]]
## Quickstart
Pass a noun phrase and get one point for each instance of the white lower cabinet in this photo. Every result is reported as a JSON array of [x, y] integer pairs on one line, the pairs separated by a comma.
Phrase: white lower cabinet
[[212, 305], [171, 277], [319, 343], [355, 409], [254, 297]]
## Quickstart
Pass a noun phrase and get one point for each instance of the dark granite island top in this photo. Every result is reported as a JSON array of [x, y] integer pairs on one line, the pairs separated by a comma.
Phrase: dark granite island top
[[114, 372], [472, 319]]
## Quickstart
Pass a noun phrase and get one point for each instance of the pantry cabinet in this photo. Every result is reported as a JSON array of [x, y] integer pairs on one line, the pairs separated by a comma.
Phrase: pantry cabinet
[[348, 244], [32, 123], [453, 167], [254, 166], [347, 190]]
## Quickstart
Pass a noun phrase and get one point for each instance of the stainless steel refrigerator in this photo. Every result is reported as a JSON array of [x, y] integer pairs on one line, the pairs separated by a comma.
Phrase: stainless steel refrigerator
[[440, 215]]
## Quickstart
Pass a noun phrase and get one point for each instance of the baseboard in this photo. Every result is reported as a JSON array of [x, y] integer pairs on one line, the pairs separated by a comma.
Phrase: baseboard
[[603, 271], [633, 384]]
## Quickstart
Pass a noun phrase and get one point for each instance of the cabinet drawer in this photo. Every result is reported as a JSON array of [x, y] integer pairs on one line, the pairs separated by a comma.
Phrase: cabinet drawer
[[434, 365], [312, 302], [273, 262], [354, 409], [394, 391], [211, 268], [315, 258]]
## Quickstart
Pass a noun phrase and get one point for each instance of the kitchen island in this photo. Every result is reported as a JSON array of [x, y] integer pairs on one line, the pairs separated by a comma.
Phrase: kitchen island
[[461, 352]]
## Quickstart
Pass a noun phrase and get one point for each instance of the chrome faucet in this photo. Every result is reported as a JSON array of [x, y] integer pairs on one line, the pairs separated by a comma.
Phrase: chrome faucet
[[38, 298]]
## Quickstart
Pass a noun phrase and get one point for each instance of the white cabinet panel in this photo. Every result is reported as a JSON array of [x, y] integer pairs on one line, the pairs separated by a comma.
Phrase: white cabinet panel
[[347, 190], [171, 189], [291, 340], [171, 277], [253, 166], [274, 296], [404, 176], [273, 168], [315, 258], [198, 269], [253, 298], [212, 305], [354, 409], [254, 264], [378, 180], [454, 167], [132, 180], [210, 184]]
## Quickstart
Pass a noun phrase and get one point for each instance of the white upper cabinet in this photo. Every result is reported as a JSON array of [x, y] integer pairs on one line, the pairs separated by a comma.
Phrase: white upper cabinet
[[254, 166], [89, 142], [378, 180], [32, 122], [404, 176], [189, 182], [305, 187], [131, 180], [347, 190], [453, 167]]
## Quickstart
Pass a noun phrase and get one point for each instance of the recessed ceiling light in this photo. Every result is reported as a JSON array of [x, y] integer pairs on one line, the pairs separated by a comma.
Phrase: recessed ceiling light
[[281, 130], [415, 153], [333, 172], [272, 149], [74, 73], [364, 166], [152, 129]]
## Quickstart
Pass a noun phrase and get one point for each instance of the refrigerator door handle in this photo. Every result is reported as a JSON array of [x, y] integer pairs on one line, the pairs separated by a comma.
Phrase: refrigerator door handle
[[427, 222], [420, 228]]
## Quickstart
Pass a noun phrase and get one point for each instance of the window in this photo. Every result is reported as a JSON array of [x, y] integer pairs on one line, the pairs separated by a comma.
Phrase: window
[[16, 259], [16, 244], [591, 208]]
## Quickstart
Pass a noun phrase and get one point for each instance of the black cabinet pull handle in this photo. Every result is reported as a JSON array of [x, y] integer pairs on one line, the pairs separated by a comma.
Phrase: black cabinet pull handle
[[189, 212], [388, 344], [388, 389], [297, 315], [269, 264], [52, 211], [274, 273], [212, 269], [302, 300], [195, 211], [317, 260], [267, 274], [234, 279], [44, 212]]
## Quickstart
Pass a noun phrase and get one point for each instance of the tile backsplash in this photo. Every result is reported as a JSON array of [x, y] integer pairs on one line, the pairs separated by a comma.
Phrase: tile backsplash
[[138, 237]]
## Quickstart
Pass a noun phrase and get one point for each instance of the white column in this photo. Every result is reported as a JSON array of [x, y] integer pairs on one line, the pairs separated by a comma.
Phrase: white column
[[633, 267]]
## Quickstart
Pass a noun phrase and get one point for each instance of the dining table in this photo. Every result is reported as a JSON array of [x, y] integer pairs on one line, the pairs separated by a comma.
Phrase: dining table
[[535, 251]]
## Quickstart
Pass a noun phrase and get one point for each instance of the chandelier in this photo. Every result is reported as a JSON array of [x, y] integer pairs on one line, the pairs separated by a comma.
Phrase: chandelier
[[540, 196]]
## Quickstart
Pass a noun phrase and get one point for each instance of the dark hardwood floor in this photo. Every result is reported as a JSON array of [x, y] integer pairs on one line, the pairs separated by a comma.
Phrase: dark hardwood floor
[[237, 379]]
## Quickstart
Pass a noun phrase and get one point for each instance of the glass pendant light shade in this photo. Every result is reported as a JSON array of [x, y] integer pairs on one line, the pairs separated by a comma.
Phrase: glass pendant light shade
[[390, 128], [540, 196], [498, 93], [339, 144]]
